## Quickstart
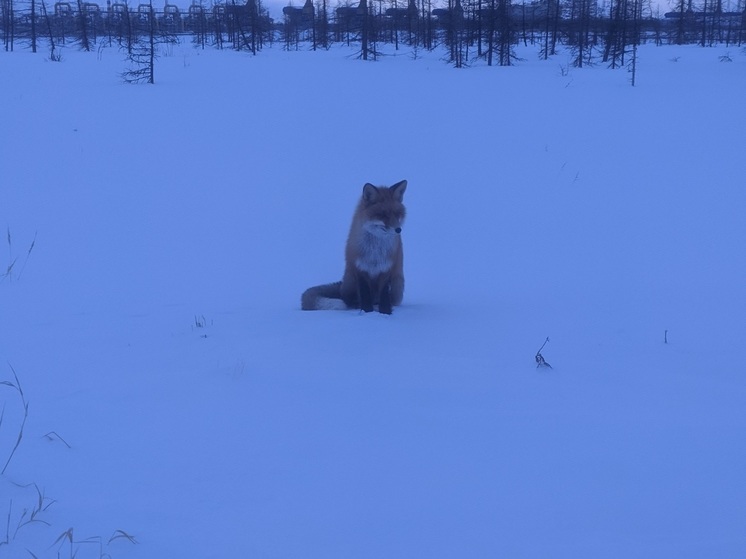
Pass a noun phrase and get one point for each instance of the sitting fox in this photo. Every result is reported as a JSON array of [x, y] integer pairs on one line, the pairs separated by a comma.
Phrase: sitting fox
[[374, 258]]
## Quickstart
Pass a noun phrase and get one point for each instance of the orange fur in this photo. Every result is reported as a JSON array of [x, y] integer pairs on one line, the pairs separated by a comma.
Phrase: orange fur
[[374, 257]]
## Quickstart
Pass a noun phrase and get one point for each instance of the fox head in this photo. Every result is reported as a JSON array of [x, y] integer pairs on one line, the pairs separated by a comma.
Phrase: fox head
[[384, 208]]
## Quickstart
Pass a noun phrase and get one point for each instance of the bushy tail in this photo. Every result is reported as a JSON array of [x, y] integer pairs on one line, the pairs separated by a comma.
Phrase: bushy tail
[[323, 297]]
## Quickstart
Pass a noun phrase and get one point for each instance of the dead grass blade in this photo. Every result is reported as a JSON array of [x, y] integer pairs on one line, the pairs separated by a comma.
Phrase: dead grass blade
[[121, 534], [17, 386]]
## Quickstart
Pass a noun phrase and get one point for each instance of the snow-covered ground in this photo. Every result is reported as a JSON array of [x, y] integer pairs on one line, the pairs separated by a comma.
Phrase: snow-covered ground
[[155, 325]]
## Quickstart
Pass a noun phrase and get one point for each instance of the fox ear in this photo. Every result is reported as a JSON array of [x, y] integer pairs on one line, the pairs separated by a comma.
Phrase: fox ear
[[370, 193], [398, 190]]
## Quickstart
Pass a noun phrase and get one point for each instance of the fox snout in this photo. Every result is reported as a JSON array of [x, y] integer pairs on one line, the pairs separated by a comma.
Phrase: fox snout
[[379, 228]]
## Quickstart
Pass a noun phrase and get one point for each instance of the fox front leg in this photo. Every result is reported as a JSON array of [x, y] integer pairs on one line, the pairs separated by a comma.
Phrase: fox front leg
[[365, 294], [384, 299]]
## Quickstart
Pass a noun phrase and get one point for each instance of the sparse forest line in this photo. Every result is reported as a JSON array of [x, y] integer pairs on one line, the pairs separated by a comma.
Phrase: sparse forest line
[[487, 30]]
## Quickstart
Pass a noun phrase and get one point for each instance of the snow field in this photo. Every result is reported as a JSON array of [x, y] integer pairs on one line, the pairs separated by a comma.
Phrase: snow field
[[155, 326]]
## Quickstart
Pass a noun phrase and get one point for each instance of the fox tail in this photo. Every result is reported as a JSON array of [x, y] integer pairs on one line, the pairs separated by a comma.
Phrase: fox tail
[[323, 297]]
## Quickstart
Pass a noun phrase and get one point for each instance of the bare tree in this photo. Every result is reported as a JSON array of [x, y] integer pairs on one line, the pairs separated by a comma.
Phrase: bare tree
[[582, 13], [452, 21], [8, 24], [505, 33], [143, 54], [85, 42], [53, 55], [121, 24], [552, 19], [321, 26], [367, 37], [683, 13], [636, 6], [32, 15]]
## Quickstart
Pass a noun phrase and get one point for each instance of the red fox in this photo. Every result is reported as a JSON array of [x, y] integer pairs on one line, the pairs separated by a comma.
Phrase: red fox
[[374, 258]]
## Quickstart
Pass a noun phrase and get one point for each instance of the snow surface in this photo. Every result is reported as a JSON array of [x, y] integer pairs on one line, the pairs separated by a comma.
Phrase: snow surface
[[155, 326]]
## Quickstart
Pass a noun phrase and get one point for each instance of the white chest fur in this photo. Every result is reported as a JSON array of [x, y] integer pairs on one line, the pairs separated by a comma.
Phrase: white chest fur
[[376, 246]]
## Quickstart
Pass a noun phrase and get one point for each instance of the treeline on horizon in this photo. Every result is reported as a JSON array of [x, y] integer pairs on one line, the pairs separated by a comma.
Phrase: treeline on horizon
[[468, 30]]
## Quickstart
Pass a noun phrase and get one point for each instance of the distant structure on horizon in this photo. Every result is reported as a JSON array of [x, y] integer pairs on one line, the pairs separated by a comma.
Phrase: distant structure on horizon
[[247, 23], [175, 19]]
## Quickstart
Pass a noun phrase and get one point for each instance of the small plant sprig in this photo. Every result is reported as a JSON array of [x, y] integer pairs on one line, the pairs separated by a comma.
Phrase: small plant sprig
[[16, 386], [12, 261], [540, 361], [16, 519], [122, 535], [66, 540], [53, 435], [28, 516], [201, 322]]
